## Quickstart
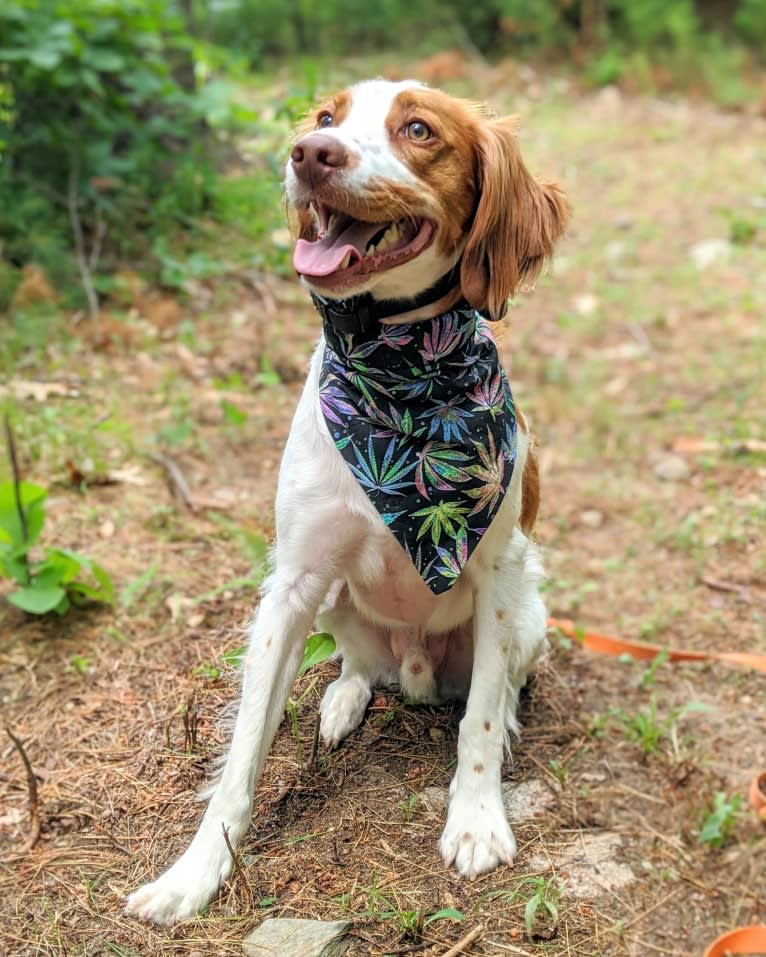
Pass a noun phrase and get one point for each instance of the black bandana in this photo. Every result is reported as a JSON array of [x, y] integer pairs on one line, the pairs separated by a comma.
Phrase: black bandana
[[423, 415]]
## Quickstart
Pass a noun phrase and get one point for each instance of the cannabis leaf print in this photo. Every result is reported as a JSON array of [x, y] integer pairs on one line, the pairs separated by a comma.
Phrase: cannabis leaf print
[[423, 416], [439, 466]]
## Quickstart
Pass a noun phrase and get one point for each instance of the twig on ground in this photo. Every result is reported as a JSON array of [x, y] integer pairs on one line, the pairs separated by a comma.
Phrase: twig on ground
[[470, 938], [237, 866], [191, 723], [315, 743], [34, 807], [179, 487], [715, 585]]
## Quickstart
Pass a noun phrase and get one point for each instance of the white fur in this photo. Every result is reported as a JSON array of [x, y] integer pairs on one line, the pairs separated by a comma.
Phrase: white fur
[[336, 562]]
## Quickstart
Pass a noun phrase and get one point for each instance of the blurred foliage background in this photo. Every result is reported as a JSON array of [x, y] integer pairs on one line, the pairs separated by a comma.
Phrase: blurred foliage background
[[122, 121]]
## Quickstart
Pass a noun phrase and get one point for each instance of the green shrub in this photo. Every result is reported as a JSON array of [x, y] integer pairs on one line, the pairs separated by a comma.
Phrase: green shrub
[[55, 582], [750, 21], [103, 131]]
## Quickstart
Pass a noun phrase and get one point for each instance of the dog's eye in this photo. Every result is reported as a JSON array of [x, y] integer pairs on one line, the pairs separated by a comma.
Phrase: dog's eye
[[324, 120], [417, 131]]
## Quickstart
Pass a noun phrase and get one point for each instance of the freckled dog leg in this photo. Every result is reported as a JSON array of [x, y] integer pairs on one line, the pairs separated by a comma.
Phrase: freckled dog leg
[[277, 637], [477, 836]]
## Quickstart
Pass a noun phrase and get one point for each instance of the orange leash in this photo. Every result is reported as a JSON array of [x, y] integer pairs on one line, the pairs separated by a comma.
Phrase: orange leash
[[744, 940], [606, 645]]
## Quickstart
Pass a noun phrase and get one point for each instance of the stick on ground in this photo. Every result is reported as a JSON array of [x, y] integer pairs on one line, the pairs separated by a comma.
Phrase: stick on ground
[[470, 938], [34, 807]]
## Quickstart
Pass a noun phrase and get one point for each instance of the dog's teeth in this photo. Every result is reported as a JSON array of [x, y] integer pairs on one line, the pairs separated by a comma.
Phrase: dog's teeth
[[346, 261], [371, 250]]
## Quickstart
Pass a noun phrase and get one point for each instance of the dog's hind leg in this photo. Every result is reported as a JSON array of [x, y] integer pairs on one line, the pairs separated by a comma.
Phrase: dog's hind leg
[[277, 637], [367, 660]]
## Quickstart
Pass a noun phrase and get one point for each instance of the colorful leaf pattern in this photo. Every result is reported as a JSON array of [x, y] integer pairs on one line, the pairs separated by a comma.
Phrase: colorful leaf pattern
[[423, 415]]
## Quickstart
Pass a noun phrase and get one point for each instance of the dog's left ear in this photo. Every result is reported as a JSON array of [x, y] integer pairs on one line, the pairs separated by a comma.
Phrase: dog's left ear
[[516, 223]]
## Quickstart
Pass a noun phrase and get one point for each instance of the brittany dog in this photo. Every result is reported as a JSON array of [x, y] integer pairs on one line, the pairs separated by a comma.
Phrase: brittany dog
[[407, 489]]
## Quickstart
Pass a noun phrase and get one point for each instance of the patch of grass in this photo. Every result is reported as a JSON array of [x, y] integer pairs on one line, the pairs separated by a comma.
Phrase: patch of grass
[[648, 728]]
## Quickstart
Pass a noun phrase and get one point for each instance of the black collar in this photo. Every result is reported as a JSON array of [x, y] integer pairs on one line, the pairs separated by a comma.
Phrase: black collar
[[360, 313]]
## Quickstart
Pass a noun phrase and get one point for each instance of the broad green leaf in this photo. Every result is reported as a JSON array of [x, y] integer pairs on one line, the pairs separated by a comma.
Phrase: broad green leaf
[[319, 648], [234, 657], [530, 912], [37, 601], [32, 498], [446, 913], [58, 567]]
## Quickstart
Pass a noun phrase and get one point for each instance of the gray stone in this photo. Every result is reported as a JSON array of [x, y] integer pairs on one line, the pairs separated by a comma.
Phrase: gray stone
[[287, 937], [523, 801], [592, 518], [710, 251], [671, 468], [588, 869]]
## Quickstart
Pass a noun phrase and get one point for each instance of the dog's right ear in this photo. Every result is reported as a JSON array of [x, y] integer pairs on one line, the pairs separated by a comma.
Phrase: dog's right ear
[[516, 223]]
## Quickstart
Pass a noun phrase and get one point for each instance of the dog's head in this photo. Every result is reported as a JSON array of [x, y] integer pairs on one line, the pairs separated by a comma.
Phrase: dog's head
[[391, 184]]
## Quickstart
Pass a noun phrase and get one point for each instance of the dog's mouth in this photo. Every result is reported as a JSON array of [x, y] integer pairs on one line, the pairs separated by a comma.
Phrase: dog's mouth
[[347, 248]]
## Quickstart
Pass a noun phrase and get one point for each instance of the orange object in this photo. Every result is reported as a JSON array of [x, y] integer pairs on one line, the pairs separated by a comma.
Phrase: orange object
[[744, 940], [606, 645], [758, 795]]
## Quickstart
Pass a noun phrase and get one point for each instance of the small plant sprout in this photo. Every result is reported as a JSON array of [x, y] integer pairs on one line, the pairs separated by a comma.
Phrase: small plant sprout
[[559, 771], [408, 806], [649, 676], [541, 914], [719, 824], [54, 582], [648, 729]]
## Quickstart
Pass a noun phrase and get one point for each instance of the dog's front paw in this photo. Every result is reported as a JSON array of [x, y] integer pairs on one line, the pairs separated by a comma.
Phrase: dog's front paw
[[477, 837], [343, 708], [180, 893]]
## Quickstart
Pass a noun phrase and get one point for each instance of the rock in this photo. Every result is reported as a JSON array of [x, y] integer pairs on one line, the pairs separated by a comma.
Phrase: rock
[[671, 468], [278, 937], [523, 801], [585, 304], [592, 518], [527, 800], [710, 251], [587, 868]]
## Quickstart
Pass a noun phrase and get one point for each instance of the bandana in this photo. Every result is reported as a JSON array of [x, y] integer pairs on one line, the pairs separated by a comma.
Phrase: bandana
[[423, 415]]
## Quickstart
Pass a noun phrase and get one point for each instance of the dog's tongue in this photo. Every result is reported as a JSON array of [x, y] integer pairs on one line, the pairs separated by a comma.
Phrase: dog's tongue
[[324, 256]]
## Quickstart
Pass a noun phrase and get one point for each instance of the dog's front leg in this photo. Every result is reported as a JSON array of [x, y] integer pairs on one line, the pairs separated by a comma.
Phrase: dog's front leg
[[477, 836], [276, 644]]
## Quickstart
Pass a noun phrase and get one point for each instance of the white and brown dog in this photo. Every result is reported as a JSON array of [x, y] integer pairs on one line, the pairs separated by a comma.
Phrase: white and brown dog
[[407, 488]]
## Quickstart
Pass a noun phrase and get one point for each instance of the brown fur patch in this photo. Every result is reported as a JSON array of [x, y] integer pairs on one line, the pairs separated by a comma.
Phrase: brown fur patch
[[516, 224]]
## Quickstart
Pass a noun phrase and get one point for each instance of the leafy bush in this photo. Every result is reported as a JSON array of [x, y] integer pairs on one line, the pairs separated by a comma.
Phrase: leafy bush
[[750, 21], [55, 582], [104, 135]]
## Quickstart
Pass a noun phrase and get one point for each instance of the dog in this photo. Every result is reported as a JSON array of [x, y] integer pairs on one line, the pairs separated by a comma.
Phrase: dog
[[407, 490]]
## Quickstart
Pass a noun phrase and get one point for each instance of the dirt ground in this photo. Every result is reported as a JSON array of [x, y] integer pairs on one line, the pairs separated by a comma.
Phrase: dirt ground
[[640, 361]]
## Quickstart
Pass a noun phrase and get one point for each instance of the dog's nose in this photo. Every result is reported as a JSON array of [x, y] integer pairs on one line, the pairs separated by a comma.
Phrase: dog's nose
[[316, 156]]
